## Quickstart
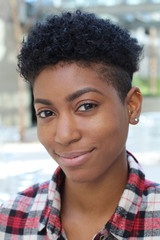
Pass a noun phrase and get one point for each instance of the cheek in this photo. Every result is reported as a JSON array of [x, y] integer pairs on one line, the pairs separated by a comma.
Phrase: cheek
[[44, 135], [108, 129], [41, 135]]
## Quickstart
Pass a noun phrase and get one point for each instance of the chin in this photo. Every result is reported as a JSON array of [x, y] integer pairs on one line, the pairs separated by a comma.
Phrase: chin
[[80, 176]]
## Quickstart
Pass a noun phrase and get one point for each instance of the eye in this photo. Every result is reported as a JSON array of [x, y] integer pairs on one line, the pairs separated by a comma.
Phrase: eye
[[86, 107], [45, 114]]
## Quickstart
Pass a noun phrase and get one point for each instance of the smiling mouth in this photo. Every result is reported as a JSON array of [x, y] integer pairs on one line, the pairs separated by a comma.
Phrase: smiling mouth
[[73, 159]]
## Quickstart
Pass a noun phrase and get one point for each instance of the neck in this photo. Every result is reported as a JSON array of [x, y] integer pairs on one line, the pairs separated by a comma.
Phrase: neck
[[93, 197]]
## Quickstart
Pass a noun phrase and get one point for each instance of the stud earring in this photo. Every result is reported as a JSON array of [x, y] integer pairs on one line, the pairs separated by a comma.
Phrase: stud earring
[[136, 119]]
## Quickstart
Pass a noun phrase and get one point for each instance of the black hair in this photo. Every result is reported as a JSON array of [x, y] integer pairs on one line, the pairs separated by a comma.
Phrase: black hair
[[83, 38]]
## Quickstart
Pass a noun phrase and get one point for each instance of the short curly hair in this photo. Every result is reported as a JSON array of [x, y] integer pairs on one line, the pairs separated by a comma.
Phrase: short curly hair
[[83, 38]]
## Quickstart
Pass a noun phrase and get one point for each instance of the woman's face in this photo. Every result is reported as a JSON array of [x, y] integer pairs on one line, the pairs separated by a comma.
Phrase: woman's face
[[81, 121]]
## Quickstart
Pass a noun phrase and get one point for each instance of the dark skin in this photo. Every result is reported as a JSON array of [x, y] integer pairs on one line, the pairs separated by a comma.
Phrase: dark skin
[[84, 125], [91, 207]]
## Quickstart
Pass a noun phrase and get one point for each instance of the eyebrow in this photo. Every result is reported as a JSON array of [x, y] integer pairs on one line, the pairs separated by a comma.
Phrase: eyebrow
[[70, 97], [80, 92], [42, 101]]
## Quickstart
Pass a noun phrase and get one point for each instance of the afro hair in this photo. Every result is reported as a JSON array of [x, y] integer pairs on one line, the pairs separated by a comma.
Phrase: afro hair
[[79, 37]]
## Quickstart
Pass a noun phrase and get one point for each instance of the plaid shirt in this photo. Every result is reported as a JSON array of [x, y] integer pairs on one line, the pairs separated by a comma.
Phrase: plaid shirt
[[35, 213]]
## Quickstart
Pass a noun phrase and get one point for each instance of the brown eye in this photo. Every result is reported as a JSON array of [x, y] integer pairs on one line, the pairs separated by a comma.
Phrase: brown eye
[[45, 114], [87, 107]]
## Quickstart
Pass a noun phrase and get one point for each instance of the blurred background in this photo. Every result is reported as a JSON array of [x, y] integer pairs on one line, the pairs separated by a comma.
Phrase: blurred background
[[23, 161]]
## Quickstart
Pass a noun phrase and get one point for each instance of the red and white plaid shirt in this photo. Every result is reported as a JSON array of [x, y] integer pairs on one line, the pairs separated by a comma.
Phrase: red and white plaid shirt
[[35, 213]]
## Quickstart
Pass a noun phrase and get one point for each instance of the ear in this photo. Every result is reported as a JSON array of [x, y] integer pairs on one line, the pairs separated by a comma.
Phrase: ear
[[134, 103]]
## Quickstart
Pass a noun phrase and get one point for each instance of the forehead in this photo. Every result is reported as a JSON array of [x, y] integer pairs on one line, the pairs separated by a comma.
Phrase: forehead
[[62, 86], [69, 78], [101, 71], [69, 74]]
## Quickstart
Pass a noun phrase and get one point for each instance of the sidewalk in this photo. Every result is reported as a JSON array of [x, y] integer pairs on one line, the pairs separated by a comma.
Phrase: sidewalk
[[22, 165]]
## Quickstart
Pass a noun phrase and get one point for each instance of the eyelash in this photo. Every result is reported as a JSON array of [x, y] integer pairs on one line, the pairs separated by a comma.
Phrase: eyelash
[[91, 106], [45, 112], [48, 113]]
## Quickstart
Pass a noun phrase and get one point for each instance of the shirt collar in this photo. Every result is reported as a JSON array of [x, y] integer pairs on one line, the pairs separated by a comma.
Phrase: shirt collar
[[50, 218], [123, 218]]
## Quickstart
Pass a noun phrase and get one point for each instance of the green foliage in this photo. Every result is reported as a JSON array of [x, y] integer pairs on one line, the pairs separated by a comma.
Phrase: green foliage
[[143, 84]]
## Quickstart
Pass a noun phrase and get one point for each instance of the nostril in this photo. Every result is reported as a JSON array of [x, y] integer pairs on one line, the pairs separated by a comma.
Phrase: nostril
[[66, 131], [67, 139]]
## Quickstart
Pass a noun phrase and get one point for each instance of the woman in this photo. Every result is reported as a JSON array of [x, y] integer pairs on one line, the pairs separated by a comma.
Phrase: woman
[[80, 68]]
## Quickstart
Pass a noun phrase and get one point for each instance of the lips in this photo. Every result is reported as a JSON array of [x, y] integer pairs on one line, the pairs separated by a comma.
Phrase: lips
[[73, 159], [72, 155]]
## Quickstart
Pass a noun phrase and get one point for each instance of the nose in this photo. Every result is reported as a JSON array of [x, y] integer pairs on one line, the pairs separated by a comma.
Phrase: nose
[[66, 130]]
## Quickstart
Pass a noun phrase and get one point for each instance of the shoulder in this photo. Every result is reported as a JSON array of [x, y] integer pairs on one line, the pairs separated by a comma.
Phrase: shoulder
[[28, 194], [22, 204], [151, 197], [34, 190], [151, 188]]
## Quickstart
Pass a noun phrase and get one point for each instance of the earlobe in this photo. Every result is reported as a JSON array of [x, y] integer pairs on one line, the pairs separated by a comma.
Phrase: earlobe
[[134, 103]]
